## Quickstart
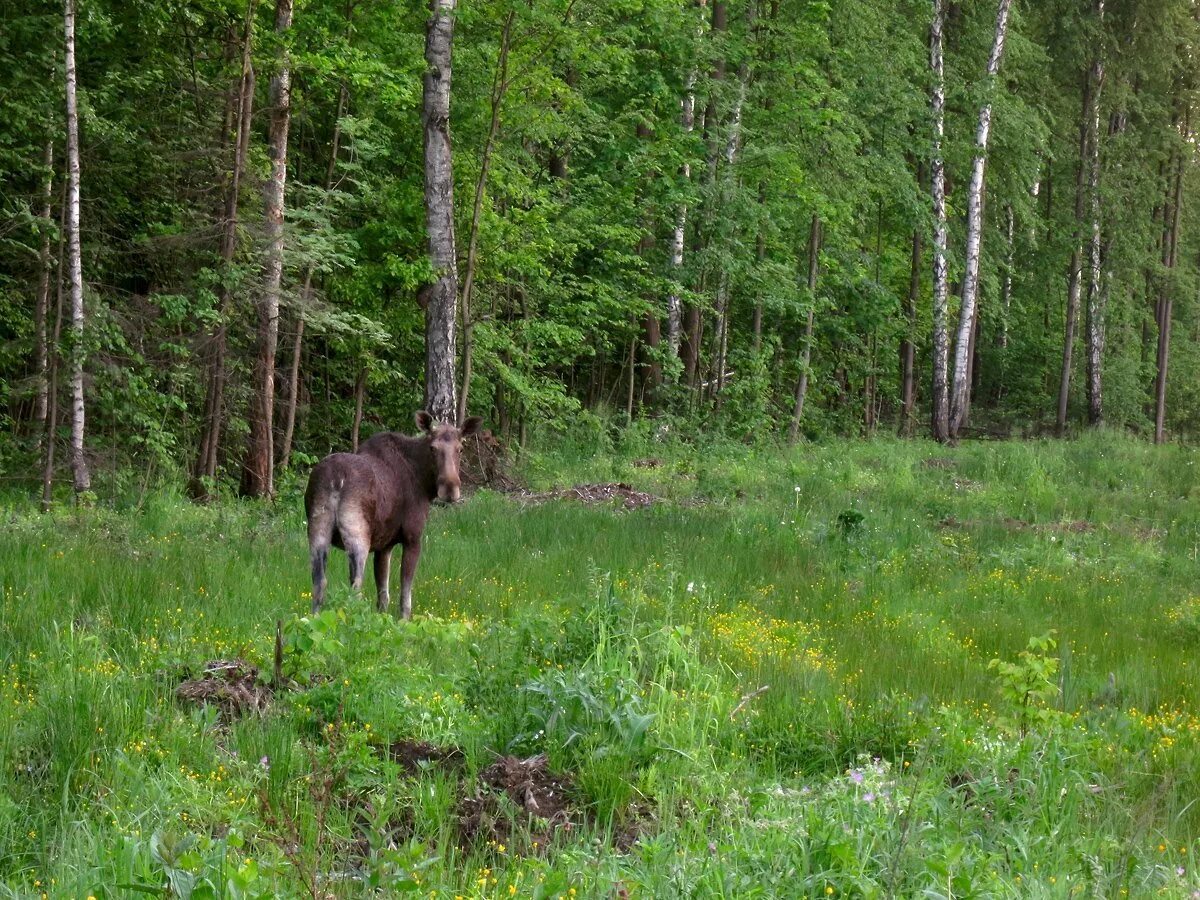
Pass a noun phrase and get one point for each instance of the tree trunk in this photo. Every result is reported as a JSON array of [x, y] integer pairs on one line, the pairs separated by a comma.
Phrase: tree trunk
[[1075, 275], [961, 385], [258, 470], [441, 297], [293, 394], [814, 259], [1096, 296], [908, 350], [214, 400], [1171, 217], [732, 147], [42, 302], [79, 467], [940, 414], [674, 301], [499, 88]]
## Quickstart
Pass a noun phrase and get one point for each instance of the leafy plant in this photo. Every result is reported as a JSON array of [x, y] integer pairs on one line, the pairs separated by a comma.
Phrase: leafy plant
[[1029, 685]]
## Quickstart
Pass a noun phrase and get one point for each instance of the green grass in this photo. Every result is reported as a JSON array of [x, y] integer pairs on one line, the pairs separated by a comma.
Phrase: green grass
[[868, 585]]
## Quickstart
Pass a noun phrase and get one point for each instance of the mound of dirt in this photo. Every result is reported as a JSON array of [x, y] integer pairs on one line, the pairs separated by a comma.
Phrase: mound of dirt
[[485, 463], [416, 756], [545, 798], [231, 685], [625, 494]]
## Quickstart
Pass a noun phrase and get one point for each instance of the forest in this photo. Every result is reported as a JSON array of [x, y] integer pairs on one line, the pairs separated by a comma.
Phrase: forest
[[234, 235], [834, 529]]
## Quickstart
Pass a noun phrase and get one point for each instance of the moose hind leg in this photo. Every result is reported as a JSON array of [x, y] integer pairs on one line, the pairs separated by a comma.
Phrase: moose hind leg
[[356, 538], [408, 569], [383, 571], [319, 556]]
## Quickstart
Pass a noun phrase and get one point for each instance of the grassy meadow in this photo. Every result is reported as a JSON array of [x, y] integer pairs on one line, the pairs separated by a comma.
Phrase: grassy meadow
[[852, 669]]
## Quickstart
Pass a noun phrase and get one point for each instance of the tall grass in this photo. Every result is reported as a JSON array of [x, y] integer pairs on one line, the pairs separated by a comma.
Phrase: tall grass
[[778, 678]]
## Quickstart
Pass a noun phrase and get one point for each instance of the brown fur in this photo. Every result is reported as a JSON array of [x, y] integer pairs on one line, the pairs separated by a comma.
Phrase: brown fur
[[372, 500]]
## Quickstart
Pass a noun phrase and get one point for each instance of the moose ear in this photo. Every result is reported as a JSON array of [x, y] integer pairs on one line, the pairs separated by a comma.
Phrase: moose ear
[[471, 426], [424, 421]]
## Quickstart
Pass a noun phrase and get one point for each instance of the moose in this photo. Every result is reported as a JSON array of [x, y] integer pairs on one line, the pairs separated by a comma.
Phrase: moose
[[379, 497]]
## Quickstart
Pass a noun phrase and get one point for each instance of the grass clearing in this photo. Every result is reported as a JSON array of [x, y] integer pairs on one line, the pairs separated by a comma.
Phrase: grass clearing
[[866, 586]]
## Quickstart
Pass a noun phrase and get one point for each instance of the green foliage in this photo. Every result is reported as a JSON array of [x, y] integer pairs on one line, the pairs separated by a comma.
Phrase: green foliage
[[1028, 685]]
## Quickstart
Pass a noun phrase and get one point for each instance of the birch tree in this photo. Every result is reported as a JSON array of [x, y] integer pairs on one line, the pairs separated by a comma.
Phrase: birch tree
[[439, 299], [1096, 295], [961, 385], [940, 412], [81, 475]]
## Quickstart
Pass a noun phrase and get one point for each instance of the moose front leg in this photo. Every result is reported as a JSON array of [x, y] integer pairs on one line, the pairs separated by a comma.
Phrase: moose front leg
[[408, 569], [383, 571]]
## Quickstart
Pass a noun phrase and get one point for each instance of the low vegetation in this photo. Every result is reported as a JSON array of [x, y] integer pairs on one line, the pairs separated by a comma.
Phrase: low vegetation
[[858, 669]]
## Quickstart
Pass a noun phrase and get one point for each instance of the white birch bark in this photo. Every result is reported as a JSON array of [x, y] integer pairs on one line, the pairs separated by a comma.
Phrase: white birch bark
[[732, 145], [940, 425], [1096, 295], [674, 301], [79, 466], [961, 385], [41, 354], [440, 298]]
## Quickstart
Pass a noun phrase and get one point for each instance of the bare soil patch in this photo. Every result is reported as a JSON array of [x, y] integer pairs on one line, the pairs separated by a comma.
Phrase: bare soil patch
[[417, 756], [231, 685], [541, 802]]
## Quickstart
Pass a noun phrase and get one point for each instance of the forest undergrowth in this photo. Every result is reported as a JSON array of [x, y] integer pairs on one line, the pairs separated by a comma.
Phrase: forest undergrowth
[[851, 669]]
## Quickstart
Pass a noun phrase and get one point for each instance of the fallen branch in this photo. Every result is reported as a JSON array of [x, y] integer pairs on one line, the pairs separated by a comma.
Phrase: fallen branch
[[746, 700]]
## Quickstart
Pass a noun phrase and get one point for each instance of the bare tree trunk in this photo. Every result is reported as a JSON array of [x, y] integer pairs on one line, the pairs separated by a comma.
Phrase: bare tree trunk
[[1096, 296], [214, 399], [293, 393], [908, 349], [440, 299], [814, 260], [42, 302], [499, 88], [674, 301], [360, 392], [1166, 296], [629, 394], [79, 467], [961, 385], [258, 470], [732, 145], [1075, 275], [940, 416]]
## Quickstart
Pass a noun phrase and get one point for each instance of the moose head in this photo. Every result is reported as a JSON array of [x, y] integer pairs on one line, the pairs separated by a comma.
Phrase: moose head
[[445, 442]]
